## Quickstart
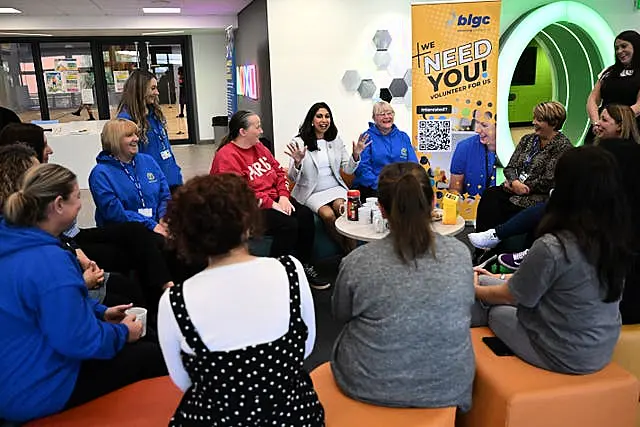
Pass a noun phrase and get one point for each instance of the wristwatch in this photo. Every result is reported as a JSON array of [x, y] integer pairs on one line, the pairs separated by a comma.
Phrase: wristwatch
[[503, 276]]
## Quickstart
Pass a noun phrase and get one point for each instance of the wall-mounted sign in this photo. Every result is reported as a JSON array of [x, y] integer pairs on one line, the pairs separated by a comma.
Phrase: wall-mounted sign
[[247, 81], [230, 75]]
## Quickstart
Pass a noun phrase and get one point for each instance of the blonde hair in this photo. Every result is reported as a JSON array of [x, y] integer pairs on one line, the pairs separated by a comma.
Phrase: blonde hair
[[40, 186], [625, 118], [381, 106], [113, 131], [551, 112]]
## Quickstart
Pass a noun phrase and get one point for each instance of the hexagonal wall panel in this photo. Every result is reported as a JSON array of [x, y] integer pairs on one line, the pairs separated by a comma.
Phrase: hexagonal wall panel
[[398, 87], [382, 59], [407, 98], [367, 88], [385, 94], [382, 40], [351, 80], [407, 77]]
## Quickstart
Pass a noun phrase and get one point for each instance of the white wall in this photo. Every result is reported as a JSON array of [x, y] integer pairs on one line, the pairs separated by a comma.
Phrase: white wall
[[210, 85]]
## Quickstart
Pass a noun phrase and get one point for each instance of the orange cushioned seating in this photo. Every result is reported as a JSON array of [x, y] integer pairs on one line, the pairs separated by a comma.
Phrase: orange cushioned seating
[[146, 403], [627, 353], [342, 411], [511, 393]]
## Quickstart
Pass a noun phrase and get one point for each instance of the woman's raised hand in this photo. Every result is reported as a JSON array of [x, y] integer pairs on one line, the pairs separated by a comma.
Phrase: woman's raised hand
[[358, 147], [296, 153]]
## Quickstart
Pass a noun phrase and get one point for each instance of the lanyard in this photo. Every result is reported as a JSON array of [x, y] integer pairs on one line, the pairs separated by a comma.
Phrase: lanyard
[[487, 176], [534, 151], [162, 134], [134, 178]]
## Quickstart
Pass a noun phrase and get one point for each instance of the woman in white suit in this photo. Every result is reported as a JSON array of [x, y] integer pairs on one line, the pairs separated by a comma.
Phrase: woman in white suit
[[319, 185]]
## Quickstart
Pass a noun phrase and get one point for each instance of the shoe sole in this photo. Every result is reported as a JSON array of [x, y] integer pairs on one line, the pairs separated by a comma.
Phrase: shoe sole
[[504, 264], [484, 263], [321, 287]]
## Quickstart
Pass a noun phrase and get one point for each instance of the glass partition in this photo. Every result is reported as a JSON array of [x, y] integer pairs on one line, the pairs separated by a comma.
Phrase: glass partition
[[18, 85]]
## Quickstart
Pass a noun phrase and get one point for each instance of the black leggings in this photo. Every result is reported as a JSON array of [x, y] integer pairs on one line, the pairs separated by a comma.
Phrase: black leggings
[[495, 208], [290, 233], [135, 362]]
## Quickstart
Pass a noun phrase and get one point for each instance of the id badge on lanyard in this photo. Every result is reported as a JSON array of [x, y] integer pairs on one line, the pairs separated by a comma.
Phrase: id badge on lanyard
[[524, 174]]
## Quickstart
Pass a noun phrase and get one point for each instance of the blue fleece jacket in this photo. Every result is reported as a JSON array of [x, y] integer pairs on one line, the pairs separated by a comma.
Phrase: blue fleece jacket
[[383, 150], [116, 196], [49, 324], [156, 141]]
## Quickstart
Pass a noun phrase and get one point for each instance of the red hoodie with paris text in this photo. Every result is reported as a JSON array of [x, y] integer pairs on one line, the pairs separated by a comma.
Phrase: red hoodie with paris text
[[258, 166]]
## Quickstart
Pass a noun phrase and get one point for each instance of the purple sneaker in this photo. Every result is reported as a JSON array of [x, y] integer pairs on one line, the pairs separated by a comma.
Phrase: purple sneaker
[[512, 261]]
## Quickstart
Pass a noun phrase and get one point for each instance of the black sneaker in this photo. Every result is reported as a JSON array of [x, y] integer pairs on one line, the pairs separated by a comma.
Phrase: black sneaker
[[315, 281]]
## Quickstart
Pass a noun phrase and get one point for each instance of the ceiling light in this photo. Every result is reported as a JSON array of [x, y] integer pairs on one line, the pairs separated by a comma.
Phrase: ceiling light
[[161, 10], [27, 34], [158, 33], [9, 10]]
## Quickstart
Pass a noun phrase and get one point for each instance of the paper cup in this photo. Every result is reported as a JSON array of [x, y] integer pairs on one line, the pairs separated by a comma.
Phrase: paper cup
[[141, 316], [364, 215], [371, 200]]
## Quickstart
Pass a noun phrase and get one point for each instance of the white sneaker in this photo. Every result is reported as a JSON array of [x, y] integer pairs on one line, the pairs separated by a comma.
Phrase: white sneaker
[[485, 239]]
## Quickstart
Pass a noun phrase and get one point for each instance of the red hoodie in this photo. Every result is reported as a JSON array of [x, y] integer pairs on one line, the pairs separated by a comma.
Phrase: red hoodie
[[258, 166]]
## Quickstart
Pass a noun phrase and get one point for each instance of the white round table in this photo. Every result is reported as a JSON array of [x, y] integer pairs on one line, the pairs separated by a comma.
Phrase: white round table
[[366, 233]]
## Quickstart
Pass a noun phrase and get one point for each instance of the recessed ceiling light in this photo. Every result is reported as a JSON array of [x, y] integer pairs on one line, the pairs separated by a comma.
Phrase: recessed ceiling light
[[161, 10], [27, 34], [157, 33], [9, 10]]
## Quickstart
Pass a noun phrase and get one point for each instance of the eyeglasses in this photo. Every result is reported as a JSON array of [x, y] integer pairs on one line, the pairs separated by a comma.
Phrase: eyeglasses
[[386, 114]]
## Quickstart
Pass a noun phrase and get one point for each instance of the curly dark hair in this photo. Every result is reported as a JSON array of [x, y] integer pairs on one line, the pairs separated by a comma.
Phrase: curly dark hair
[[211, 215]]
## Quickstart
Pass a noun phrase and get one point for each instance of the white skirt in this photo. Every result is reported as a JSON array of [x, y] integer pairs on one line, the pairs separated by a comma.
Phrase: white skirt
[[321, 198]]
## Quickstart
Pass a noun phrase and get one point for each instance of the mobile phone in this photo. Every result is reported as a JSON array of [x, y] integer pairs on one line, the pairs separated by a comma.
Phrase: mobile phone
[[498, 347]]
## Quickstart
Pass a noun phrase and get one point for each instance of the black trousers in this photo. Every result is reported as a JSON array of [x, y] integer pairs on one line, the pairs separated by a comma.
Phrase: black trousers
[[366, 192], [122, 290], [495, 208], [291, 233], [135, 362]]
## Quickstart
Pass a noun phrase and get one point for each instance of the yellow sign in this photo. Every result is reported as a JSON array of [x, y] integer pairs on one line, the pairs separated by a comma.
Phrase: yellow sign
[[454, 83]]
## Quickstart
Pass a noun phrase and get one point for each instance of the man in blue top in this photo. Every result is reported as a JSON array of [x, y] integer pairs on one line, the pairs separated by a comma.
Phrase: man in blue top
[[473, 165], [388, 145]]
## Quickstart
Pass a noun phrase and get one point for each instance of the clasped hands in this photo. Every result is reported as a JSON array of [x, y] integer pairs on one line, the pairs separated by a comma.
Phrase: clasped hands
[[516, 187]]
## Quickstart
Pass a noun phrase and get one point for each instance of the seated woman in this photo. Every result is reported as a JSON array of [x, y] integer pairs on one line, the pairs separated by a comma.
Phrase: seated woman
[[289, 222], [250, 372], [51, 326], [319, 185], [388, 145], [561, 311], [529, 174], [473, 164], [406, 300], [29, 134], [616, 132]]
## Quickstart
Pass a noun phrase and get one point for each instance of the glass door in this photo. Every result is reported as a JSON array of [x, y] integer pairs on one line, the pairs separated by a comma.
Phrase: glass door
[[18, 82], [119, 61]]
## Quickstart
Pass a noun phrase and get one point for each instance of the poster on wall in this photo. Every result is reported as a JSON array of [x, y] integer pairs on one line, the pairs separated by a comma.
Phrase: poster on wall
[[66, 64], [53, 82], [119, 79], [230, 72], [71, 81], [454, 79]]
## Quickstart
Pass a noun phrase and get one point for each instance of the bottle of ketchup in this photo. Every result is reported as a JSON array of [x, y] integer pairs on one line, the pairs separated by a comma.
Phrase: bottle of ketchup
[[353, 203]]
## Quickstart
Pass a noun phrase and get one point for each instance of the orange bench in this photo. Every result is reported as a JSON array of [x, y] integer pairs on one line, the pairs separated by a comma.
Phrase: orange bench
[[342, 411], [627, 353], [146, 403], [508, 392]]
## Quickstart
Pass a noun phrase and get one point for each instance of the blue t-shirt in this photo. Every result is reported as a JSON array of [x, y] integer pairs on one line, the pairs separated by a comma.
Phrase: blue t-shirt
[[473, 160]]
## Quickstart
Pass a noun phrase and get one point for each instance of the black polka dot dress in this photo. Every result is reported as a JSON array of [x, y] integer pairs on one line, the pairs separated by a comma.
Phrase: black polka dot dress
[[261, 385]]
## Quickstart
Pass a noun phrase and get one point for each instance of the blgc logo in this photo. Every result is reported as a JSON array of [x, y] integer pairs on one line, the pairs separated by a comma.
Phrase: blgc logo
[[474, 21]]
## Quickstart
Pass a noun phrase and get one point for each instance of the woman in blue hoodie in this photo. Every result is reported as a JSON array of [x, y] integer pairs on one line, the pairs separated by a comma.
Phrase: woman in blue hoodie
[[388, 145], [140, 104], [58, 347], [127, 186]]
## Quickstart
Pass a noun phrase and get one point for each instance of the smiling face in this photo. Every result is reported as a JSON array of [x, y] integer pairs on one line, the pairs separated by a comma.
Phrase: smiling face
[[69, 208], [607, 127], [152, 94], [47, 151], [383, 118], [624, 51], [321, 122], [128, 146], [486, 129], [541, 127]]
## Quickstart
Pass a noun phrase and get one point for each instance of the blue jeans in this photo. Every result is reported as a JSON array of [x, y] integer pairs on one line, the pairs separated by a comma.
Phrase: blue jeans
[[524, 222]]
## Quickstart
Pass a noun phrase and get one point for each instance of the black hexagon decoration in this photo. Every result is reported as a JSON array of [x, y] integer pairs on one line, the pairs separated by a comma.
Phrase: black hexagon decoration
[[398, 87], [385, 94]]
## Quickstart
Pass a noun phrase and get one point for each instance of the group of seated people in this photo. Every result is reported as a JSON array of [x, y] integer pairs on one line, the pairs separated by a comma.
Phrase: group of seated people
[[234, 329]]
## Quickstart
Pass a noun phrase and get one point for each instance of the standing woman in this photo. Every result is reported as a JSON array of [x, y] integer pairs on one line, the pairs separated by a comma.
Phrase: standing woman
[[406, 303], [58, 348], [620, 83], [140, 104], [319, 185]]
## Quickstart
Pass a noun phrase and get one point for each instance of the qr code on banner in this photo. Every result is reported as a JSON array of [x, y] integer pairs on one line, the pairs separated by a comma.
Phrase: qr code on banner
[[434, 135]]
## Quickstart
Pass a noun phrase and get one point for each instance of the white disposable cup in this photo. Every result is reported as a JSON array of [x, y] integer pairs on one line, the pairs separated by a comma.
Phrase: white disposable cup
[[372, 200], [364, 215], [141, 316]]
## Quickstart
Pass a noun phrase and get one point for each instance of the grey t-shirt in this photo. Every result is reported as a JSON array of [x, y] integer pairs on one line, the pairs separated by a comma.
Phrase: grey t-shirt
[[406, 341], [559, 299]]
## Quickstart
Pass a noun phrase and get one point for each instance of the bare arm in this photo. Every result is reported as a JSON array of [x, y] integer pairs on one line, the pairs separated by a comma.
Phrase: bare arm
[[593, 102]]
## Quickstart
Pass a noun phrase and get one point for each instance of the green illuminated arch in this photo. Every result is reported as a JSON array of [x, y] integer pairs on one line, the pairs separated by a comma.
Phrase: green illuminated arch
[[578, 42]]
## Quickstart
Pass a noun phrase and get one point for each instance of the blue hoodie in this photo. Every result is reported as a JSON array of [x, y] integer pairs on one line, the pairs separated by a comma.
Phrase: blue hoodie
[[116, 196], [383, 150], [156, 141], [49, 324]]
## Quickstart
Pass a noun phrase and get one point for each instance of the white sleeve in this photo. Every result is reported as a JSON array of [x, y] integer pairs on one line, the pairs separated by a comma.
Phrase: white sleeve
[[170, 337], [307, 309]]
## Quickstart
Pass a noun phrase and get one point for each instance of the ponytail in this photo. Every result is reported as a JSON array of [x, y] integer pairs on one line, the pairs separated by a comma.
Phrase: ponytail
[[406, 194], [239, 120], [21, 209]]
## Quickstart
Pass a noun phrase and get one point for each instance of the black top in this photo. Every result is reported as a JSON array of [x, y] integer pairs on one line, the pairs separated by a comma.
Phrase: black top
[[616, 89]]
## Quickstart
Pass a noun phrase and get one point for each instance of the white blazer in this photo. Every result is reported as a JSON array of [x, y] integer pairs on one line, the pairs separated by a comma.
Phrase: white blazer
[[306, 178]]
